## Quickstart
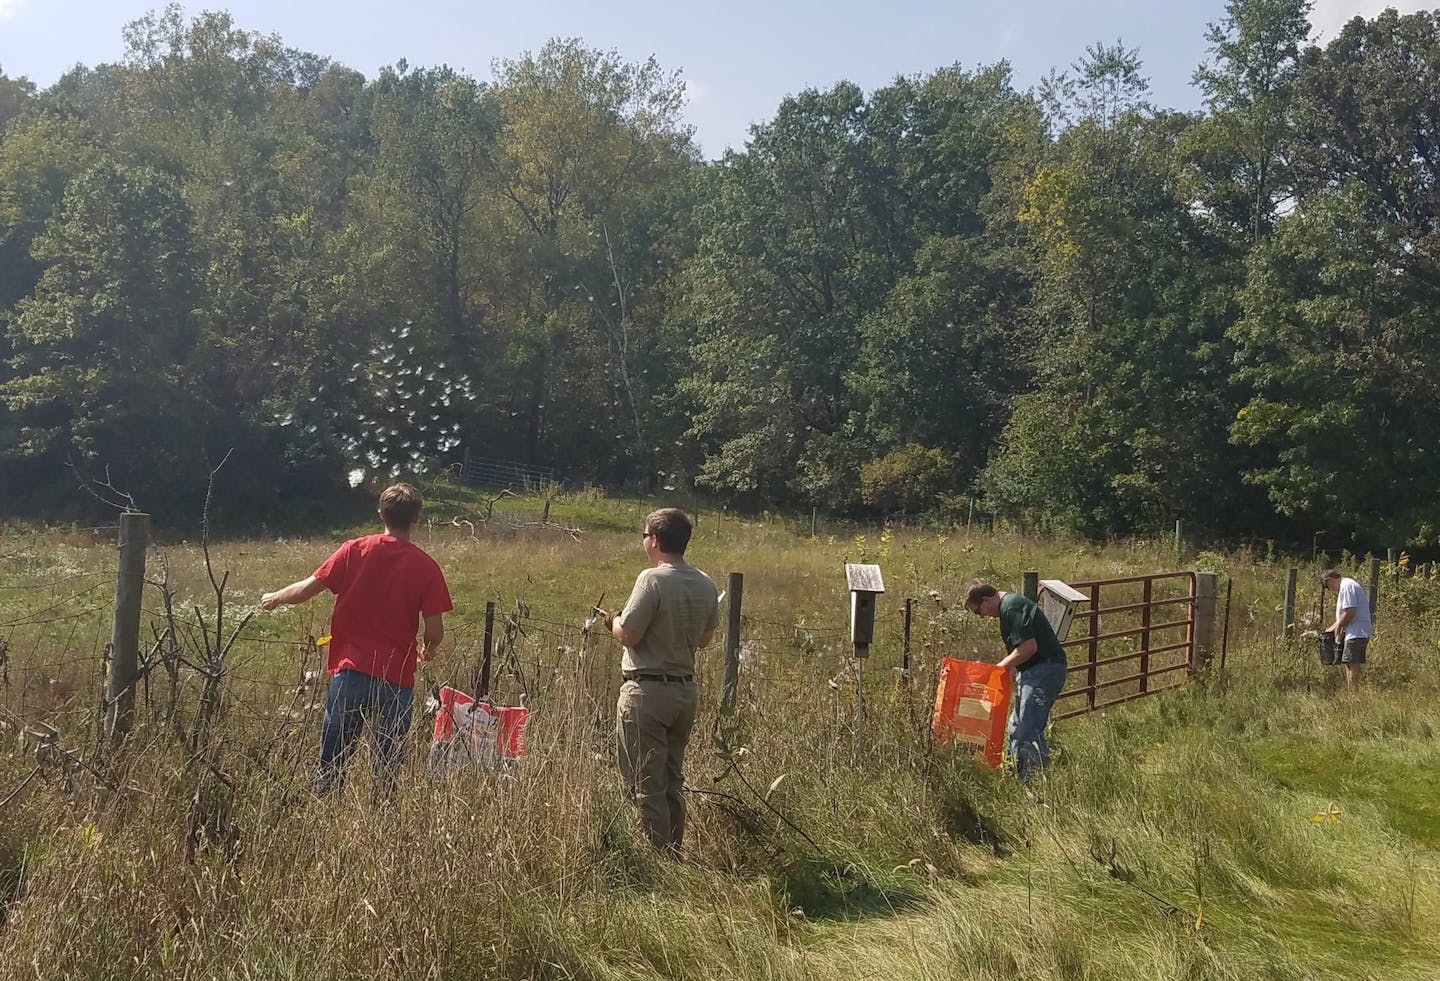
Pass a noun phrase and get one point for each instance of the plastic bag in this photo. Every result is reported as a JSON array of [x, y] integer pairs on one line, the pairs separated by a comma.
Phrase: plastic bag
[[471, 734], [972, 703]]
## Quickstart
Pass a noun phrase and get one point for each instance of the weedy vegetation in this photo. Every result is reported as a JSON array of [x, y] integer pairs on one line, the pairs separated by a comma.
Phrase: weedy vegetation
[[1257, 823]]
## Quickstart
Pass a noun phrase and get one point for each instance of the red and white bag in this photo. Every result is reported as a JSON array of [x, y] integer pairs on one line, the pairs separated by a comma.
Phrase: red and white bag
[[470, 734]]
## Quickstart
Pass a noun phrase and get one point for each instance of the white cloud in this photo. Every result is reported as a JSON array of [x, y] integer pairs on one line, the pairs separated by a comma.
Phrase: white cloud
[[8, 8], [695, 91], [1328, 16]]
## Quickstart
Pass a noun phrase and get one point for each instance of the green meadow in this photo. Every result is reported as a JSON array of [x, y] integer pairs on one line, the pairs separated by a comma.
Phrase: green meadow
[[1258, 822]]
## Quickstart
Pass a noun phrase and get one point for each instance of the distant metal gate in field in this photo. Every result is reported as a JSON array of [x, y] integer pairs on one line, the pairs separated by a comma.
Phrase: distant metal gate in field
[[1140, 636]]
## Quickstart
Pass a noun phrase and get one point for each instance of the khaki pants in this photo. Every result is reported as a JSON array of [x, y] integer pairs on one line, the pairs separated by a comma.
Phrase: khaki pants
[[653, 720]]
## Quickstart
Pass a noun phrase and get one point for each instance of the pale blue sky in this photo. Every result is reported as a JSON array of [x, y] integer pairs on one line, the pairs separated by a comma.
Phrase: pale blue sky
[[739, 58]]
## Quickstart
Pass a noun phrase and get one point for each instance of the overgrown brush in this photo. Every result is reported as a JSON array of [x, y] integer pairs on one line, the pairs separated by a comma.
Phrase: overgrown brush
[[1258, 824]]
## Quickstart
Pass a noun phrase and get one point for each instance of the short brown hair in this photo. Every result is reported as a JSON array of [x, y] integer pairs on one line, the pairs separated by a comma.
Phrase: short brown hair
[[671, 528], [1329, 575], [400, 506], [979, 590]]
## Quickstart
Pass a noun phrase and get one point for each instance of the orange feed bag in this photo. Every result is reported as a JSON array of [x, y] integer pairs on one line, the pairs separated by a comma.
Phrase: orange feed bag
[[972, 702]]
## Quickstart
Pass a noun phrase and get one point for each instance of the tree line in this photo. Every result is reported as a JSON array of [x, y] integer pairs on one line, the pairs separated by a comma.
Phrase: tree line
[[1078, 309]]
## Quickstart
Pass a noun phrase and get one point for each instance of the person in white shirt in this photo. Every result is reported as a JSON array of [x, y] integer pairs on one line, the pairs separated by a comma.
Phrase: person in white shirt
[[1351, 628]]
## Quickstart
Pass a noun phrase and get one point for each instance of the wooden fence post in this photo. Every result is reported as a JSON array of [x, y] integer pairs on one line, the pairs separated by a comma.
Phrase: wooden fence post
[[735, 588], [1205, 588], [1179, 551], [1031, 585], [1288, 626], [134, 541], [1374, 587]]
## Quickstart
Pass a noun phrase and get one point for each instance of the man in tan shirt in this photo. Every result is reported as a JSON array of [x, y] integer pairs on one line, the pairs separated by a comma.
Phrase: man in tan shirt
[[672, 612]]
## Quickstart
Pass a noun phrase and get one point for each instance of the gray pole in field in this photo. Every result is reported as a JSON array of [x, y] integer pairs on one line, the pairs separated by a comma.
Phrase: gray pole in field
[[134, 541]]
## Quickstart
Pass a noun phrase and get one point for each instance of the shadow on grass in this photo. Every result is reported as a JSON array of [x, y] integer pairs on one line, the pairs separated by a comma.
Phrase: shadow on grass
[[973, 802], [826, 890], [818, 887], [623, 860], [961, 820]]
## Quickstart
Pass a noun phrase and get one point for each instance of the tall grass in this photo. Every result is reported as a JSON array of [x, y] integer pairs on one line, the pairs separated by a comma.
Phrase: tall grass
[[1174, 837]]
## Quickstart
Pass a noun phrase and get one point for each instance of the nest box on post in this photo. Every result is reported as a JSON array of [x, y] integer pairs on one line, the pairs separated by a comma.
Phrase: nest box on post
[[865, 584], [1057, 599]]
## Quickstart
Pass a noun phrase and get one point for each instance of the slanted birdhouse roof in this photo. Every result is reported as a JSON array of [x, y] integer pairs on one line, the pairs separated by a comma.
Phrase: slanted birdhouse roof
[[864, 578]]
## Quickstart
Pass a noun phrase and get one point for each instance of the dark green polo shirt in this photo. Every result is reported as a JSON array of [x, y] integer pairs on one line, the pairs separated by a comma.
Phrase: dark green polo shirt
[[1022, 619]]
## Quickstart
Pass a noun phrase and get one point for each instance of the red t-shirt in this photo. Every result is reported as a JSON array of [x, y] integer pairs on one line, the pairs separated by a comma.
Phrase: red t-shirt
[[382, 588]]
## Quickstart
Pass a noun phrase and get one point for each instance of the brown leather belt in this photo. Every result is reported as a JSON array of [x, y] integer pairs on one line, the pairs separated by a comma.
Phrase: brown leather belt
[[677, 679]]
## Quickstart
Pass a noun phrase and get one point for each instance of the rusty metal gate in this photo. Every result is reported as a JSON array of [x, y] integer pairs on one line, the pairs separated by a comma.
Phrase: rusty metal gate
[[1159, 610]]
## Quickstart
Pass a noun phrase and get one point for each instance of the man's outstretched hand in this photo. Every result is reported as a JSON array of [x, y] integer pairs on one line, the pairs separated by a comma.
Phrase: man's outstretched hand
[[296, 592]]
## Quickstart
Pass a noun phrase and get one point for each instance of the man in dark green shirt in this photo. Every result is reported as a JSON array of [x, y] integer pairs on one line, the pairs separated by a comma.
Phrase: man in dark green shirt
[[1038, 660]]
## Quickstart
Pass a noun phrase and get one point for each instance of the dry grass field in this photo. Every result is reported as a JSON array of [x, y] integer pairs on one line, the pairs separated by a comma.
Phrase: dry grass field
[[1260, 823]]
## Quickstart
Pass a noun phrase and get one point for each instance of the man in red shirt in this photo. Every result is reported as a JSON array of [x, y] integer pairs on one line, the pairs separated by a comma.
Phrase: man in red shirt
[[384, 585]]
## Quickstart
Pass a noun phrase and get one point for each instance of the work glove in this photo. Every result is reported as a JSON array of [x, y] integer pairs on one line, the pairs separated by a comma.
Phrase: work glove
[[607, 617]]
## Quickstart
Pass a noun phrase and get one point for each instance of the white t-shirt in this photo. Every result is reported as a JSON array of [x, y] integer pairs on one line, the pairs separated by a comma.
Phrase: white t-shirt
[[1352, 595]]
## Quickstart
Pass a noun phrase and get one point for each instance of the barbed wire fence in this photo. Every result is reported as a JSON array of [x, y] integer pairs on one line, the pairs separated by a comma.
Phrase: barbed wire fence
[[241, 710], [203, 685]]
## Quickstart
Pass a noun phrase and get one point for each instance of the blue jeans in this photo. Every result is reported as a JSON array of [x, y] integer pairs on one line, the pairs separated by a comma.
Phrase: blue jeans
[[353, 698], [1038, 686]]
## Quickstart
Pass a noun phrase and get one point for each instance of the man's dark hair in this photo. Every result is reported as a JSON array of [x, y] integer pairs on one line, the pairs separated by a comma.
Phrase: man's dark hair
[[1329, 575], [671, 528], [400, 506], [979, 590]]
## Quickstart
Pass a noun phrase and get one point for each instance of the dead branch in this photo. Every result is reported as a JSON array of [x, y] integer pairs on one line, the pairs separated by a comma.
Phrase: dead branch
[[205, 519], [574, 533], [490, 504], [216, 651], [98, 489], [18, 790]]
